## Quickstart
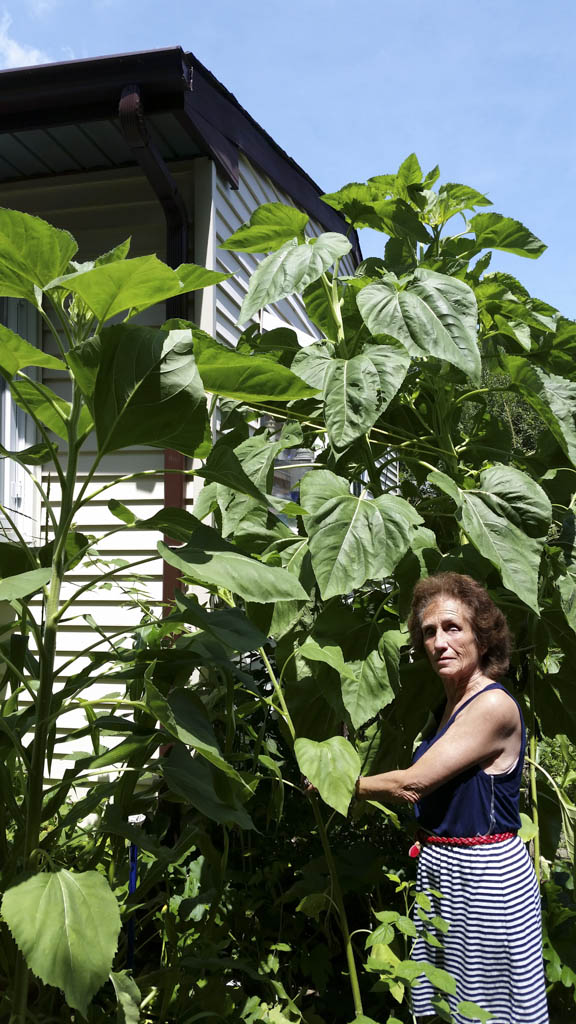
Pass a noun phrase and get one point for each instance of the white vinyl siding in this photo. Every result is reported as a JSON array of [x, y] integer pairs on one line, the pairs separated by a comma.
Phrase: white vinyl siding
[[101, 210], [18, 494], [232, 208]]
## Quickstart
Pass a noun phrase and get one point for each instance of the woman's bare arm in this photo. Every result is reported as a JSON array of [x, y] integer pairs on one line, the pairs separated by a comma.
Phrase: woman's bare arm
[[480, 732]]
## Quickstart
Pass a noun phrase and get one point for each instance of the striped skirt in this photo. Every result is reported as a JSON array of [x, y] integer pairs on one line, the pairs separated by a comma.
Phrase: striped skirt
[[493, 947]]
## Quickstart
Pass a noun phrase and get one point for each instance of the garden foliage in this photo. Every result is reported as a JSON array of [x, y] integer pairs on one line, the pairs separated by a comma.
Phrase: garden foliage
[[433, 420]]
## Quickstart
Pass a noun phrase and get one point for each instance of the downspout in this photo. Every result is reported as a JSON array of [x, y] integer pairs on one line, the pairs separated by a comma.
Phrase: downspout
[[135, 131]]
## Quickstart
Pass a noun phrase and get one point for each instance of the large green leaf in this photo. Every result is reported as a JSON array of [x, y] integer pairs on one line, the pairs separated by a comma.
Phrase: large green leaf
[[495, 518], [353, 539], [13, 588], [364, 684], [280, 344], [32, 253], [207, 558], [553, 398], [312, 364], [229, 626], [493, 231], [429, 313], [133, 284], [366, 689], [332, 766], [352, 399], [368, 206], [128, 996], [225, 466], [291, 269], [213, 794], [193, 278], [247, 378], [148, 390], [391, 361], [244, 475], [14, 559], [66, 925], [295, 558], [269, 227], [35, 455], [84, 360], [47, 407], [328, 654], [16, 353], [409, 173], [450, 200], [184, 716], [518, 497], [318, 486], [119, 252]]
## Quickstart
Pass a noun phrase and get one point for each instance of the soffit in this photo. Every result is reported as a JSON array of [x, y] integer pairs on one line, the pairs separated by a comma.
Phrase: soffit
[[87, 146]]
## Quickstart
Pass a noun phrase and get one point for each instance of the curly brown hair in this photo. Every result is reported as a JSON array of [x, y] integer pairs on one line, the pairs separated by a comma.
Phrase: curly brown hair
[[488, 623]]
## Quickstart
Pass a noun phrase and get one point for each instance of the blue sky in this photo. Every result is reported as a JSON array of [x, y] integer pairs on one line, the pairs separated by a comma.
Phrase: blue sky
[[484, 88]]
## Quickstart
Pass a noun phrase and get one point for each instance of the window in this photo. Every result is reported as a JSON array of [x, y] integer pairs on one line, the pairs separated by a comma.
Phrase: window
[[18, 495]]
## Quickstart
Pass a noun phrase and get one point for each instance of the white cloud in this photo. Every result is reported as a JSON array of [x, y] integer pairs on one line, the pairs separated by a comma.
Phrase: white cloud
[[42, 7], [14, 54]]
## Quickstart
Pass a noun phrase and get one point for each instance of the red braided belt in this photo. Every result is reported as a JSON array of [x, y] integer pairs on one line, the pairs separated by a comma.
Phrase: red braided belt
[[424, 837]]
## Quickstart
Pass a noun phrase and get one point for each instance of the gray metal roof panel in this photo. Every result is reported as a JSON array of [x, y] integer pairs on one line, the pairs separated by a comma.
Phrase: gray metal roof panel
[[75, 140]]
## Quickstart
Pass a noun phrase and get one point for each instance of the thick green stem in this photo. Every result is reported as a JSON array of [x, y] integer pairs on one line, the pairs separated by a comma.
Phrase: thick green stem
[[47, 655], [336, 890], [339, 901]]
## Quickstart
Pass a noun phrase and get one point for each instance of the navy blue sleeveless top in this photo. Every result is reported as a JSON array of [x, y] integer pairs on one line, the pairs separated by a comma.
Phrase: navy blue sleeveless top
[[473, 803]]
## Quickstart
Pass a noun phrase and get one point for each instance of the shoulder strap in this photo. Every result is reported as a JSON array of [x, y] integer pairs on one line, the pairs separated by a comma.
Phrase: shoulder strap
[[491, 686]]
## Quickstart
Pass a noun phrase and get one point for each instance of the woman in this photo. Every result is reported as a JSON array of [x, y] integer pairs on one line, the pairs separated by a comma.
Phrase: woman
[[464, 784]]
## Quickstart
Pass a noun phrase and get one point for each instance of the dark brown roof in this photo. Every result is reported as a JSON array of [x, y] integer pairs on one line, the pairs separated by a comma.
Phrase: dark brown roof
[[62, 118]]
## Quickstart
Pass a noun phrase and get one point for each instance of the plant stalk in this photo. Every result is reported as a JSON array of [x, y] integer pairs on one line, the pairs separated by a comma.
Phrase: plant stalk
[[339, 901], [47, 655], [336, 889]]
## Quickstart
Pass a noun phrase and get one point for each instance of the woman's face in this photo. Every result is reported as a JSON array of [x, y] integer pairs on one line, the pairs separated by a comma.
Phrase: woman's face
[[449, 640]]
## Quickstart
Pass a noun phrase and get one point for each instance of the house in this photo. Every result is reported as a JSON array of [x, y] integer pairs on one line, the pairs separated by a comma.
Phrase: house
[[148, 145]]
